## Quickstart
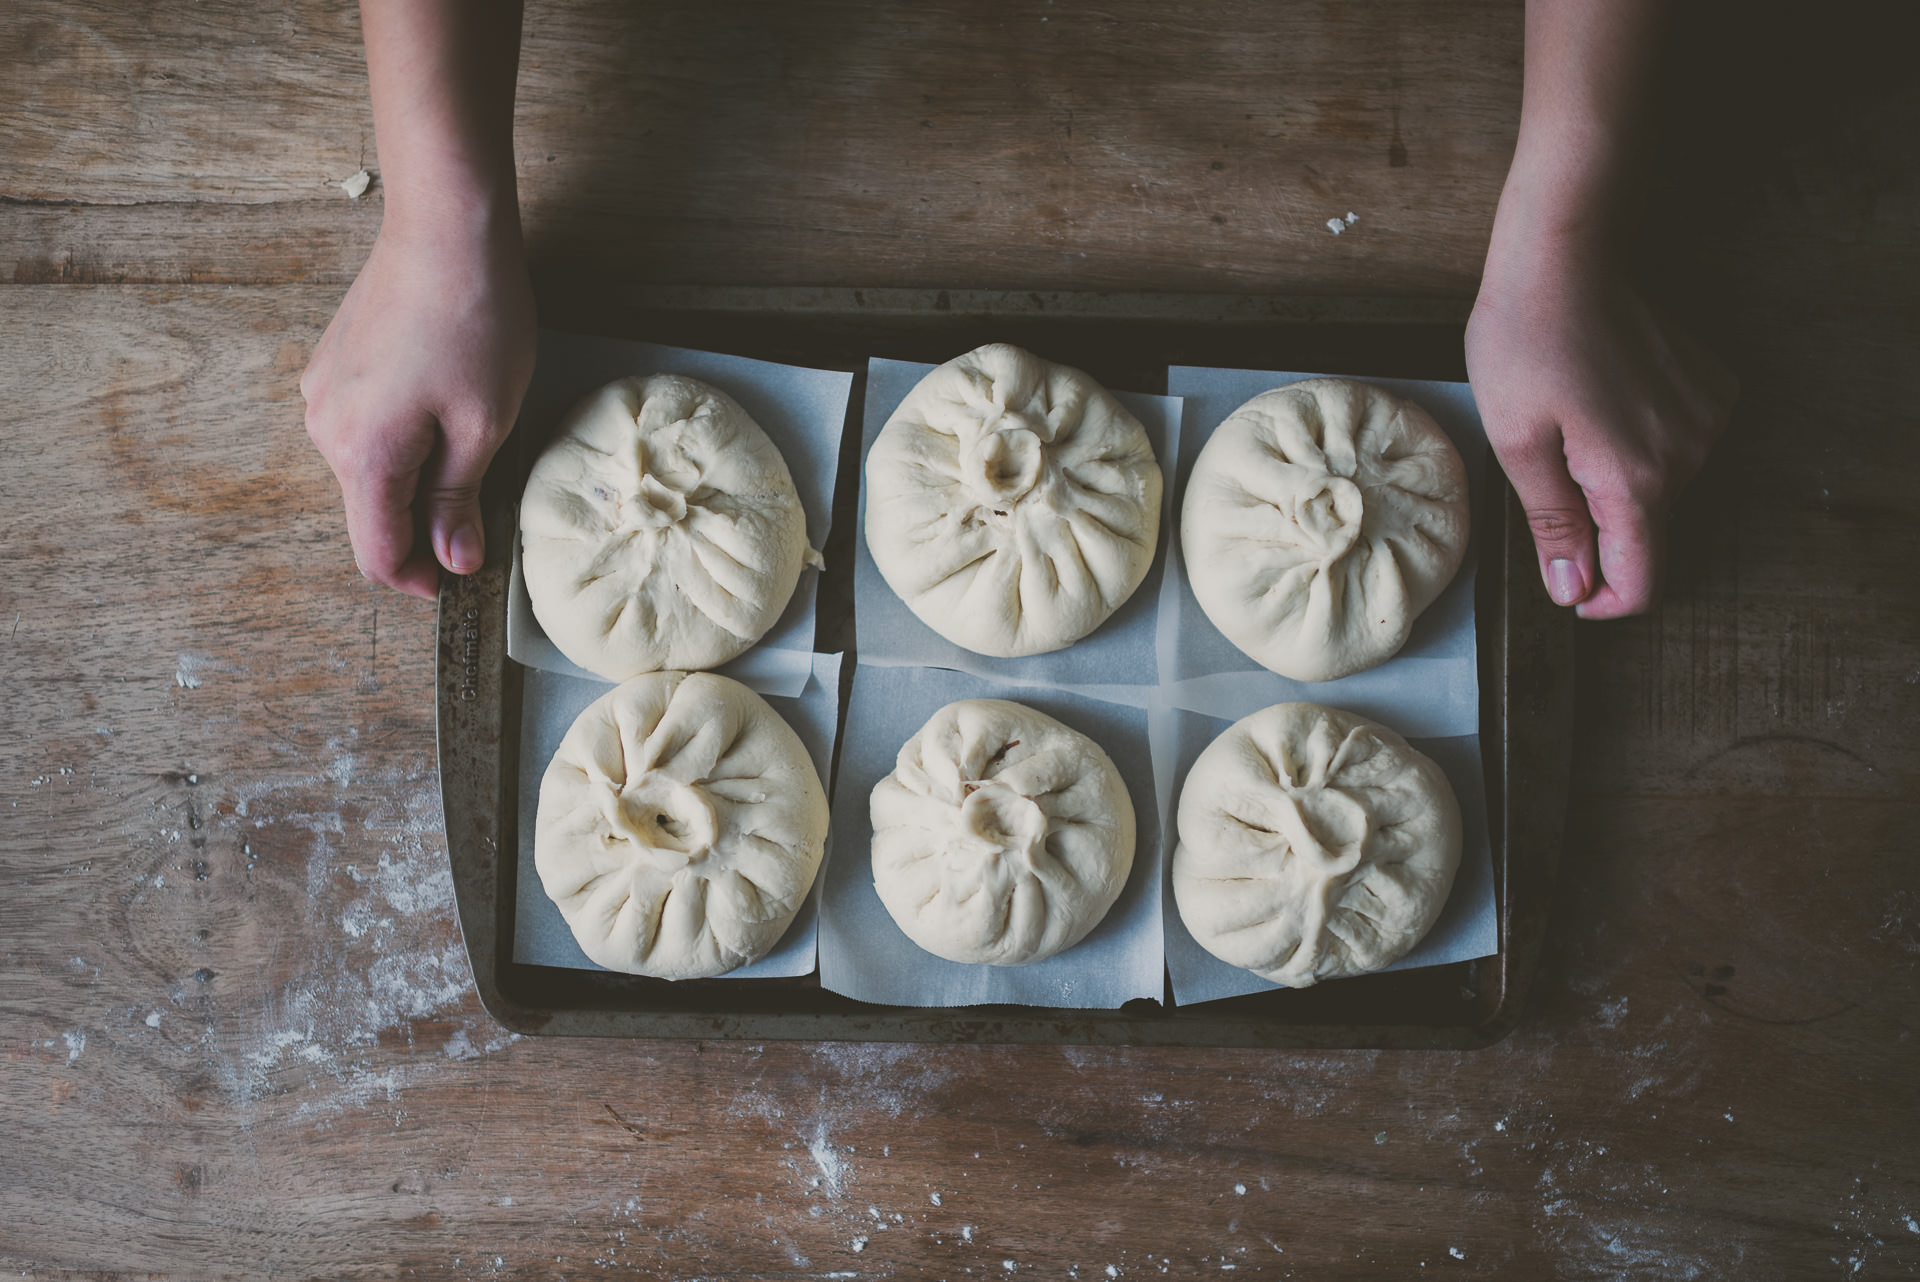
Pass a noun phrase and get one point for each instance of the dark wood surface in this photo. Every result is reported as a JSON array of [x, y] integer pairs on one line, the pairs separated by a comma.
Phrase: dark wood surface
[[238, 1034]]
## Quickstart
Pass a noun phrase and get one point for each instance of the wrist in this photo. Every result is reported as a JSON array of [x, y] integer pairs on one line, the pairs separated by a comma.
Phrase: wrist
[[1569, 182], [462, 214], [1557, 224]]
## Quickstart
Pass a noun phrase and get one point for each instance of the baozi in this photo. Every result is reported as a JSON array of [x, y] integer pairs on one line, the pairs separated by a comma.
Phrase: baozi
[[1012, 503], [681, 823], [1002, 836], [1321, 518], [660, 529], [1313, 844]]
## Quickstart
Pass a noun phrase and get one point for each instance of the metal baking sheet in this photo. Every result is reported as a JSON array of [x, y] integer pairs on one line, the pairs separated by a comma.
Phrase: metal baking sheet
[[1127, 341]]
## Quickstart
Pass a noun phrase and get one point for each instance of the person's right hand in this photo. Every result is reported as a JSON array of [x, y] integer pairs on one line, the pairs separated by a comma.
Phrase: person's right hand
[[413, 387], [1601, 410]]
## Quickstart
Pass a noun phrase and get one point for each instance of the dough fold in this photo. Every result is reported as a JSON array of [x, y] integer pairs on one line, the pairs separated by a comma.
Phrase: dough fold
[[660, 529], [681, 824], [1012, 503], [1313, 844], [1321, 518], [1002, 836]]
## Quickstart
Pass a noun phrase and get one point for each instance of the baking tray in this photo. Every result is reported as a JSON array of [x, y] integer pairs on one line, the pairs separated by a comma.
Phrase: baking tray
[[1126, 341]]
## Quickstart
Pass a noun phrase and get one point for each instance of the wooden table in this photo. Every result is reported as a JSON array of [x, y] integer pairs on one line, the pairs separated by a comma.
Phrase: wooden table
[[238, 1033]]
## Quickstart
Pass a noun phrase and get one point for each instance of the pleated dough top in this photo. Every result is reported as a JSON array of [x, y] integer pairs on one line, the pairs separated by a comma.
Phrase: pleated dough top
[[1002, 836], [660, 529], [1012, 503], [1313, 844], [680, 826], [1320, 519]]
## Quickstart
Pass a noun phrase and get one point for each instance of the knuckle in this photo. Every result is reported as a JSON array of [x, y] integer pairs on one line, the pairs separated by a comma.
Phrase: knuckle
[[1637, 600], [352, 471], [315, 419], [1646, 483], [1556, 525], [455, 494], [379, 563]]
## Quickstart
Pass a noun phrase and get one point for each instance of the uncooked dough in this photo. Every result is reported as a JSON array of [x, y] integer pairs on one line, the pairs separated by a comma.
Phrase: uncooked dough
[[1012, 503], [660, 529], [680, 826], [1314, 844], [1320, 520], [1001, 836]]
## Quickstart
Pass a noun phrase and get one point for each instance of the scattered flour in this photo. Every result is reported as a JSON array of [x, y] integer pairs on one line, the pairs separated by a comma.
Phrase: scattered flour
[[391, 959], [826, 1156], [893, 1078], [191, 670]]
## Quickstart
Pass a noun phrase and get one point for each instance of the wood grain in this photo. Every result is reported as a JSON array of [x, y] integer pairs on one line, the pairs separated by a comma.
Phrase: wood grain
[[238, 1035], [1001, 145]]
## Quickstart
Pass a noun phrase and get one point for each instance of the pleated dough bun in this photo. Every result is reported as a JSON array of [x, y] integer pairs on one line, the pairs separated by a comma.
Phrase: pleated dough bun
[[1320, 520], [1012, 503], [660, 529], [680, 826], [1314, 844], [1001, 836]]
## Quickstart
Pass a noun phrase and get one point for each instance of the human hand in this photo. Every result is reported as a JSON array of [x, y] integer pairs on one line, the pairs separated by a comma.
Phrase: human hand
[[412, 389], [1601, 410]]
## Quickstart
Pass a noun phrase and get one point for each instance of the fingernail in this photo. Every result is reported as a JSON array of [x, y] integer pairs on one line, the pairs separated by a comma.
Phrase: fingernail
[[1565, 583], [465, 550]]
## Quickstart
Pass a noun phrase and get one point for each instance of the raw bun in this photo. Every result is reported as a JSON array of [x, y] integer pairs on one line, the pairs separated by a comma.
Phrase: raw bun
[[1314, 844], [1012, 503], [680, 826], [1001, 836], [1320, 520], [660, 529]]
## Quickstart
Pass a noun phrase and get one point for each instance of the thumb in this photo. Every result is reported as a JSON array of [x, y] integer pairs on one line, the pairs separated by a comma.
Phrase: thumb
[[1557, 514], [450, 496]]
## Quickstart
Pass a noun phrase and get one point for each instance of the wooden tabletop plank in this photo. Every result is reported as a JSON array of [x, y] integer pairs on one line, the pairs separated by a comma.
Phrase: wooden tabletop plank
[[1007, 145]]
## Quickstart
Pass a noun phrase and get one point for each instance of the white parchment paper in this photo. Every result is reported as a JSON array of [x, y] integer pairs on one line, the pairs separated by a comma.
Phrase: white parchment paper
[[865, 956], [1431, 689], [550, 703], [1121, 657], [1467, 928], [803, 411]]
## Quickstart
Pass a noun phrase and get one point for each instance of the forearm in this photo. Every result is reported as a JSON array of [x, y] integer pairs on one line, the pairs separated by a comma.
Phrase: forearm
[[1598, 407], [442, 74], [418, 379], [1588, 64]]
